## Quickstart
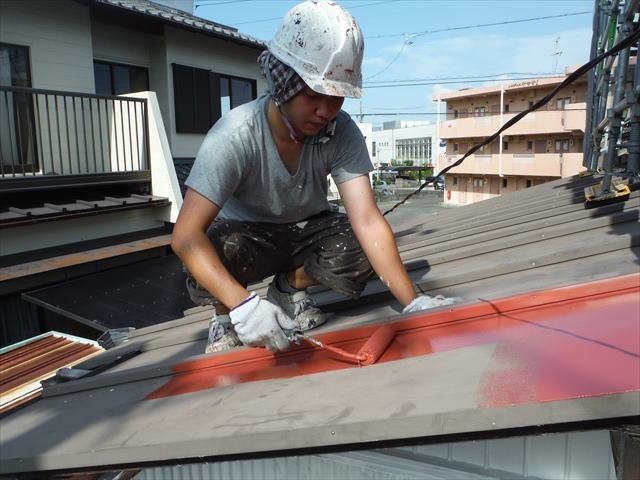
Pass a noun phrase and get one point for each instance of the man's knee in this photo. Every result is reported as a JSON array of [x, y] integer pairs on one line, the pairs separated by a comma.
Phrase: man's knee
[[248, 251], [340, 264]]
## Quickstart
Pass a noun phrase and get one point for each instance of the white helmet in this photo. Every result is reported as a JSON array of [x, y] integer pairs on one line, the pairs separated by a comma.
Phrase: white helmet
[[323, 43]]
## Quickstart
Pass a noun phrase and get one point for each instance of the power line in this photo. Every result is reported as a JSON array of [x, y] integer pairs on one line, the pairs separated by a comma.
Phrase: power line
[[479, 25], [421, 83], [213, 3], [409, 37], [462, 79], [390, 63]]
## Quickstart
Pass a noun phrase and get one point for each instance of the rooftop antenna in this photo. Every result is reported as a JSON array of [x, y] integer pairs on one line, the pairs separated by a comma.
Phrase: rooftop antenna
[[556, 54]]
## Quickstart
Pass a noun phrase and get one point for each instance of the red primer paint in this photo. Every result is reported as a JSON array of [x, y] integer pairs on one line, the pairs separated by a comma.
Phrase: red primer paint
[[570, 342]]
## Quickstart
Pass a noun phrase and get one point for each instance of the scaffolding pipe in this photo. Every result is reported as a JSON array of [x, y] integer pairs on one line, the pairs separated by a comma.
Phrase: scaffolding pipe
[[612, 143]]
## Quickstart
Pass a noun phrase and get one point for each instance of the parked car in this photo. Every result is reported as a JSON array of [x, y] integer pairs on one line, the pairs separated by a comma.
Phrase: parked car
[[382, 189], [438, 183]]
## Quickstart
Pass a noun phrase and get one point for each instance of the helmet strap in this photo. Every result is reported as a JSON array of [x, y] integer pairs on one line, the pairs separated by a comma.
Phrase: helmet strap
[[285, 120], [329, 131]]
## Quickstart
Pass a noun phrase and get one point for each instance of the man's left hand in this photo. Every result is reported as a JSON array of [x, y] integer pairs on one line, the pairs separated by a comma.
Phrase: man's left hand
[[424, 302]]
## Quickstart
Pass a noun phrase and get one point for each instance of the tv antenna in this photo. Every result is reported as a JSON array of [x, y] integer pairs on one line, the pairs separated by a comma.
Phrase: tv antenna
[[556, 54]]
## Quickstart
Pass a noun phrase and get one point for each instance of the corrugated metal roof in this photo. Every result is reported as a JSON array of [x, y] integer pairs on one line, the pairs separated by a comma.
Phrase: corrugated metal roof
[[26, 364], [183, 19], [487, 369]]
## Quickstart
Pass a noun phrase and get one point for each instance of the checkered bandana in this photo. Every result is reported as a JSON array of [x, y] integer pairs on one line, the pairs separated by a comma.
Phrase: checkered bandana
[[282, 81]]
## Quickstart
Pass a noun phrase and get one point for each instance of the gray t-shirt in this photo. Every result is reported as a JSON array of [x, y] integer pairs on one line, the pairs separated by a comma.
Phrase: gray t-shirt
[[239, 169]]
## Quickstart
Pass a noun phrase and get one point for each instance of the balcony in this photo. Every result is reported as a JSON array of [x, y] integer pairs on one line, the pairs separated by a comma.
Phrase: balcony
[[538, 165], [545, 122], [88, 166], [52, 140]]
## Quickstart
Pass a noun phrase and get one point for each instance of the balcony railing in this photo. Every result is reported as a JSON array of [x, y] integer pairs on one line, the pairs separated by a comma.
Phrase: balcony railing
[[55, 139], [570, 120], [532, 165]]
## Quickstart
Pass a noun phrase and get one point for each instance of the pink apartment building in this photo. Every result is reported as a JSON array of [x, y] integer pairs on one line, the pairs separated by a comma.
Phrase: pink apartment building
[[544, 145]]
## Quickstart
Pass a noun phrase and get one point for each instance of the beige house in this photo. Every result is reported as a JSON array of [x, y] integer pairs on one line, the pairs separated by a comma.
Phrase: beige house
[[103, 106], [545, 145]]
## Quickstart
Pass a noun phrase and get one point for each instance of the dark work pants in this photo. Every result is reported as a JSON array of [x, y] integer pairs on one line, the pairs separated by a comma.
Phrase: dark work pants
[[324, 244]]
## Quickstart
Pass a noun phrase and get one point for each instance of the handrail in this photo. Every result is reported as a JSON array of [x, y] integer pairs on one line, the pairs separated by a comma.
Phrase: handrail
[[57, 137]]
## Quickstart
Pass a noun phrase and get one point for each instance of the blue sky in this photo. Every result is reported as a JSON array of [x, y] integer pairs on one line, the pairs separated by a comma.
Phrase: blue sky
[[437, 45]]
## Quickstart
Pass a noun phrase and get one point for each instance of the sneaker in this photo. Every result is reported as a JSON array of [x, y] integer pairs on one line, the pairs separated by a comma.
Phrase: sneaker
[[197, 294], [222, 336], [299, 306]]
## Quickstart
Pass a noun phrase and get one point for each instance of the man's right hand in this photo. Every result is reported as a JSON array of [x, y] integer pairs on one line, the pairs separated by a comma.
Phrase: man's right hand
[[260, 323]]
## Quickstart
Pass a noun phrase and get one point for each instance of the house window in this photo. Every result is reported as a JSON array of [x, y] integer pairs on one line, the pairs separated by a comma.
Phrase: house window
[[415, 150], [529, 145], [201, 97], [529, 183], [18, 153], [373, 149], [506, 108], [118, 79], [505, 146], [562, 102], [14, 66], [455, 147], [504, 183], [235, 91], [480, 111], [562, 145]]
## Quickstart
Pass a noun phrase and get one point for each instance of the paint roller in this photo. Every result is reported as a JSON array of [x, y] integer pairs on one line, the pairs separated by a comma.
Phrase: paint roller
[[368, 354]]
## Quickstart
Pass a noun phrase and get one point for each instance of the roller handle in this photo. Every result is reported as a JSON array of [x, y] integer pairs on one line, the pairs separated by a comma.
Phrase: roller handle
[[368, 354]]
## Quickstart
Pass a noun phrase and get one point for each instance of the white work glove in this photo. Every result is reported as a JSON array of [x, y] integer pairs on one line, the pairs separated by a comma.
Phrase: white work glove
[[424, 302], [260, 323]]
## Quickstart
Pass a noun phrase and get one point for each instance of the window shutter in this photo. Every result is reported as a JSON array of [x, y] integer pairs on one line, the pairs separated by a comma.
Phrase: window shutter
[[183, 96], [202, 98], [215, 111]]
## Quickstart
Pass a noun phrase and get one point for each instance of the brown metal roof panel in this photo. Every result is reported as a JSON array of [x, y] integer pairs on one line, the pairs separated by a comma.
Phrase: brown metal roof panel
[[510, 212], [24, 353], [443, 231], [26, 364], [66, 353]]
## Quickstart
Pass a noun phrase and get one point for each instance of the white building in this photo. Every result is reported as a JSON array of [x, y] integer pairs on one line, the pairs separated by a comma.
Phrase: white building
[[415, 143]]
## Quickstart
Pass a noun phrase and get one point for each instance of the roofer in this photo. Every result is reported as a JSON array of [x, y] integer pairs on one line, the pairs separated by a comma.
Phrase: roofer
[[256, 203]]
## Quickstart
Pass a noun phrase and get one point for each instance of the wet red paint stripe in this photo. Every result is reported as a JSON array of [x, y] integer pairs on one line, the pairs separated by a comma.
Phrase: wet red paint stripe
[[569, 342]]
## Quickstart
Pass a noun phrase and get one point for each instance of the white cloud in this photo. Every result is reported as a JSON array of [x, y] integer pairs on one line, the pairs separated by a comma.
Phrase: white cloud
[[490, 55]]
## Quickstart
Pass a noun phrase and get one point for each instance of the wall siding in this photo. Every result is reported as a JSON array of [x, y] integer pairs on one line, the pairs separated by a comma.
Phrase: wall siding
[[59, 37]]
